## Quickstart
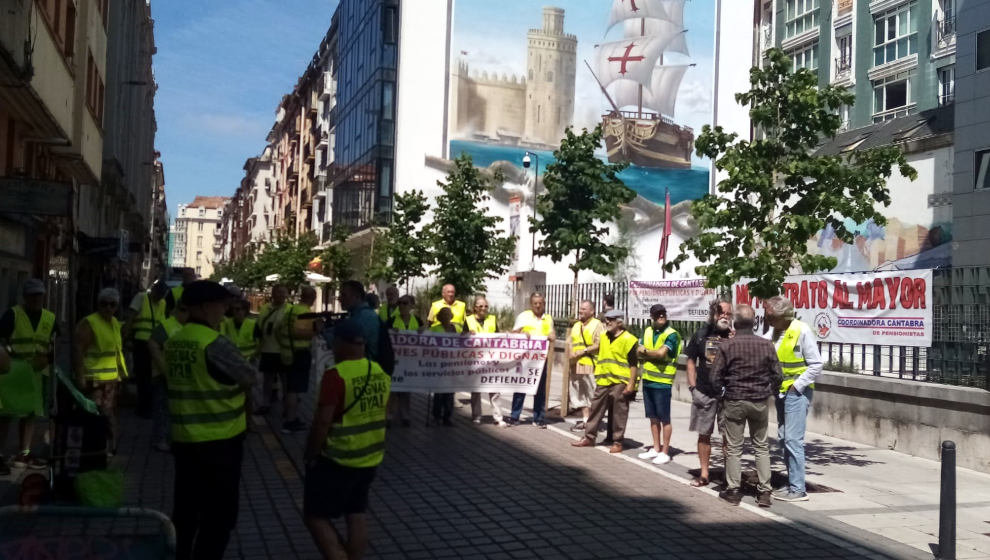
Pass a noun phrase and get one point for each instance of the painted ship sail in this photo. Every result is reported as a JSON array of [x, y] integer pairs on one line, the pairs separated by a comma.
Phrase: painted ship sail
[[632, 74]]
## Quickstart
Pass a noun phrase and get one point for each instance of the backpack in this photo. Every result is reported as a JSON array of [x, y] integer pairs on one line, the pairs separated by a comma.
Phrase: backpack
[[385, 354]]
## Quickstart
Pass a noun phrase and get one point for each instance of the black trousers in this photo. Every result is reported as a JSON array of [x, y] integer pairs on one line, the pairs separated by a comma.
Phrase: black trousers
[[142, 377], [443, 405], [207, 496]]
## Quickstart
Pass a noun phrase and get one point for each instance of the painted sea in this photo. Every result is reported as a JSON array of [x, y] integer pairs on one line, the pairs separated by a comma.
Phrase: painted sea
[[684, 184]]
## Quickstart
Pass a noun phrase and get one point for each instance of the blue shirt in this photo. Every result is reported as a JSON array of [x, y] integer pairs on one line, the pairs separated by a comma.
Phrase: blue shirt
[[671, 344], [370, 325]]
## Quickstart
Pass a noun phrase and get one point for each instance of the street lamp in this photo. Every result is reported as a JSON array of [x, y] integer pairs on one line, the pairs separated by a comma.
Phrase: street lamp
[[536, 183]]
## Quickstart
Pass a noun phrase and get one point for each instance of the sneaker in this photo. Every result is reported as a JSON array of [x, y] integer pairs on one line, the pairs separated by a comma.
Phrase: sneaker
[[661, 459], [791, 496], [4, 467], [511, 422], [649, 454], [578, 426], [540, 425], [476, 421], [763, 499], [502, 424], [293, 426], [731, 496]]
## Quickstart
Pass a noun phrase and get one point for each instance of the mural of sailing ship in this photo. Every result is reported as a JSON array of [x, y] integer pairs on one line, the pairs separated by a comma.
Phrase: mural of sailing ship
[[631, 73]]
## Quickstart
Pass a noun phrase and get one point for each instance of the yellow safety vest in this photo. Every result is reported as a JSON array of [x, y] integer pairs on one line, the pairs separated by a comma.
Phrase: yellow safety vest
[[176, 296], [439, 328], [792, 362], [473, 325], [243, 337], [171, 326], [104, 361], [201, 408], [290, 320], [357, 439], [383, 313], [148, 318], [536, 327], [26, 341], [399, 324], [457, 308], [613, 366], [583, 336], [652, 368]]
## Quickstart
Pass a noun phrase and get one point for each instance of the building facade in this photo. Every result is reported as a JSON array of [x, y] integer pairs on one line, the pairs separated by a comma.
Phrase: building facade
[[551, 62], [197, 241]]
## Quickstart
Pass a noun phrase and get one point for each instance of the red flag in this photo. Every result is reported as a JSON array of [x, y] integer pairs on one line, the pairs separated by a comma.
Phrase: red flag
[[666, 229]]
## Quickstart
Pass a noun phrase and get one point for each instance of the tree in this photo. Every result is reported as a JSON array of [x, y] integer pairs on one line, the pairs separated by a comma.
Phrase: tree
[[404, 251], [581, 202], [288, 257], [777, 194], [465, 236], [337, 258]]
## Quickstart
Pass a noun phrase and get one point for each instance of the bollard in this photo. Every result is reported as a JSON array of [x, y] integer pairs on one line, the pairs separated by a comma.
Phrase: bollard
[[947, 504]]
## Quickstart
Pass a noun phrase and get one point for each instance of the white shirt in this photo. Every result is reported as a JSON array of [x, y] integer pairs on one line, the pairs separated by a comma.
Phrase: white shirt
[[808, 348]]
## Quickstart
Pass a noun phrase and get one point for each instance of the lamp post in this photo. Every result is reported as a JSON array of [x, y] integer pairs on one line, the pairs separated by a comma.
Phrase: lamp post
[[536, 183]]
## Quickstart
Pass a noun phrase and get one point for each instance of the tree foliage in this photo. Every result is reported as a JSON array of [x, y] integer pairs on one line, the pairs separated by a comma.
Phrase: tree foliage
[[404, 250], [777, 193], [465, 235], [286, 256], [336, 258], [581, 201]]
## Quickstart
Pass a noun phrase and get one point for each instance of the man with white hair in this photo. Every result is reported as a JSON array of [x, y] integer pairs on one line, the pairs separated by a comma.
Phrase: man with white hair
[[801, 364], [98, 358]]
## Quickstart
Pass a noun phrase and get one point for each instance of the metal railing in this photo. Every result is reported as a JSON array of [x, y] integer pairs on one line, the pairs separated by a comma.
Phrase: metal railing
[[945, 30], [354, 206], [959, 354], [843, 67]]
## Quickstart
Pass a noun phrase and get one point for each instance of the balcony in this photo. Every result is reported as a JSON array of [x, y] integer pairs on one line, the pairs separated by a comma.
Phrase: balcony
[[354, 206], [843, 68], [766, 36], [945, 31]]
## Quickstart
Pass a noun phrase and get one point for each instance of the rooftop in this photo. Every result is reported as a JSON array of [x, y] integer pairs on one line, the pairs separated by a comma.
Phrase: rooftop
[[209, 202]]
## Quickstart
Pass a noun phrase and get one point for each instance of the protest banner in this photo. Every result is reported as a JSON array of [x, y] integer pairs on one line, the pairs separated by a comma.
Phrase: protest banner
[[448, 363], [891, 308], [685, 300]]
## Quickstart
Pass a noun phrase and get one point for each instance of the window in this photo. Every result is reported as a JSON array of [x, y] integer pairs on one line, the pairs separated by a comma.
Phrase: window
[[800, 16], [94, 90], [199, 256], [844, 117], [550, 76], [199, 270], [199, 226], [202, 212], [806, 58], [895, 35], [844, 62], [390, 30], [983, 169], [983, 50], [891, 97], [199, 241], [946, 85]]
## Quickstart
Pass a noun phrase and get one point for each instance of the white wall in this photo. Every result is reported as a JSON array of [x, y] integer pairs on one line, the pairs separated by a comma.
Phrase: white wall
[[734, 57]]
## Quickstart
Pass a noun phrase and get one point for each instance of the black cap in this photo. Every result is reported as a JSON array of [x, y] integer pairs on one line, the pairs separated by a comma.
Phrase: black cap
[[349, 331], [204, 291], [658, 310]]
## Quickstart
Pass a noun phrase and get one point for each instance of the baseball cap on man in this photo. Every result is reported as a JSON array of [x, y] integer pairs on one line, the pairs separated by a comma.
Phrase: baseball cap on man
[[34, 287], [615, 314], [204, 291]]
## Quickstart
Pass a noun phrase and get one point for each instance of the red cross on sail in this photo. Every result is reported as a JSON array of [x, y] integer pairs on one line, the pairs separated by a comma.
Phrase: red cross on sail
[[625, 9], [628, 59]]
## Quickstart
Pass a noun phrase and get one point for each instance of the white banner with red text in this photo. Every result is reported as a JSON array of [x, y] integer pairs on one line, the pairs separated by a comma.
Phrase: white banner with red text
[[889, 308], [686, 299], [448, 363]]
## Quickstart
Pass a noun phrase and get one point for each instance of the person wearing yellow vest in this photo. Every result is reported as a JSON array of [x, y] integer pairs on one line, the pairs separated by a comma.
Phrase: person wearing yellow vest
[[299, 334], [146, 311], [174, 295], [270, 319], [98, 358], [535, 321], [403, 319], [448, 299], [26, 333], [658, 352], [207, 380], [482, 322], [615, 376], [345, 445], [159, 398], [801, 363], [586, 333], [390, 306], [443, 403], [242, 330]]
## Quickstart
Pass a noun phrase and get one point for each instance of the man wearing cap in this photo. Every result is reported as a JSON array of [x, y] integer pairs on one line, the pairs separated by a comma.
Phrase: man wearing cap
[[99, 358], [615, 377], [535, 321], [207, 380], [147, 311], [346, 443], [26, 331], [658, 350]]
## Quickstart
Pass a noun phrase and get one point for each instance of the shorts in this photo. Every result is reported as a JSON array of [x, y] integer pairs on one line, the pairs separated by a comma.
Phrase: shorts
[[582, 389], [102, 393], [331, 490], [297, 376], [656, 400], [271, 363], [705, 409]]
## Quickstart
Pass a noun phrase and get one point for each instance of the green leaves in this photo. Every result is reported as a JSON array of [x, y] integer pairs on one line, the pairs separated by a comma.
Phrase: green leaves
[[776, 195], [404, 251]]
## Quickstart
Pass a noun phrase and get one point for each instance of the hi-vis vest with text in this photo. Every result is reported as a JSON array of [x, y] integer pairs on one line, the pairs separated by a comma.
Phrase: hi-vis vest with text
[[358, 439], [397, 323], [792, 362], [26, 341], [243, 338], [613, 359], [177, 296], [104, 361], [660, 371], [201, 409], [582, 336], [474, 326], [536, 327], [457, 308], [149, 317]]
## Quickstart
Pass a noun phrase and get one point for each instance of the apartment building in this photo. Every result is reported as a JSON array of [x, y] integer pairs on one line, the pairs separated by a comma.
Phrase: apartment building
[[198, 233]]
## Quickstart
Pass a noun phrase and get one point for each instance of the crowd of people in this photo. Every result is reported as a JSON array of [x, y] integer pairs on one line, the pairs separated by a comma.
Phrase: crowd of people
[[201, 364]]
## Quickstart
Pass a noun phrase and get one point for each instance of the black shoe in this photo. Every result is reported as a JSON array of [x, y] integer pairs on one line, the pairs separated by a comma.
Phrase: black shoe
[[511, 422], [731, 496], [4, 467], [763, 499], [293, 426], [541, 425], [406, 423]]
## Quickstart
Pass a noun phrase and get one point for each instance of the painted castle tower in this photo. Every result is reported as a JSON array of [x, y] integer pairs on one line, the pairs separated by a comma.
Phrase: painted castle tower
[[533, 109]]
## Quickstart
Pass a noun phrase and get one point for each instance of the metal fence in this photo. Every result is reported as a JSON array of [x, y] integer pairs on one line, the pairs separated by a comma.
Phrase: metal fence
[[959, 355]]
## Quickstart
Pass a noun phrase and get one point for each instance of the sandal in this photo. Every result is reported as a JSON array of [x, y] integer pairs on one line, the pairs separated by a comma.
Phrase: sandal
[[699, 481]]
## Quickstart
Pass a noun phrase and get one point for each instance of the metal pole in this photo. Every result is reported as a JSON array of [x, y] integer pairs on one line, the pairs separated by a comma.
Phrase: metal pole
[[947, 504], [536, 184]]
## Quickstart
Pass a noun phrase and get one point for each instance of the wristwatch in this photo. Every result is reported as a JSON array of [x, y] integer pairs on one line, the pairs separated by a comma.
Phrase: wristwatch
[[690, 387]]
